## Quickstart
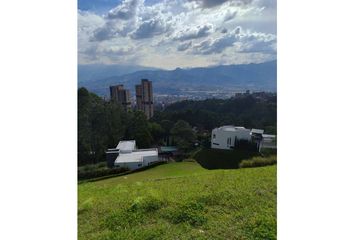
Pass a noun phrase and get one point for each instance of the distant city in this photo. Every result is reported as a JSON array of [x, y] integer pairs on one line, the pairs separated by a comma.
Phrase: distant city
[[147, 102]]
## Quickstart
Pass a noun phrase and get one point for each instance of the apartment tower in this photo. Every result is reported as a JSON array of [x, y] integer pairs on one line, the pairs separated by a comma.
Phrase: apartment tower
[[121, 96], [144, 98]]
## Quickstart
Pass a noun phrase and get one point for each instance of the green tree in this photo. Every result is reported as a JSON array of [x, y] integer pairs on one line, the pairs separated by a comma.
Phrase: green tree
[[100, 126], [138, 130], [183, 135], [157, 132]]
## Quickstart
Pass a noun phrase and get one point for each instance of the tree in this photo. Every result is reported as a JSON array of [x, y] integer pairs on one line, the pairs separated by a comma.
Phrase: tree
[[157, 132], [100, 126], [138, 130], [183, 135]]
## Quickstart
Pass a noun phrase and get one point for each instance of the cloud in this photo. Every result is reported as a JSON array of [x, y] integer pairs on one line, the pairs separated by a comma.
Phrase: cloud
[[184, 46], [150, 28], [104, 33], [240, 41], [216, 45], [229, 15], [257, 42], [194, 32], [205, 30], [224, 30], [126, 10], [214, 3]]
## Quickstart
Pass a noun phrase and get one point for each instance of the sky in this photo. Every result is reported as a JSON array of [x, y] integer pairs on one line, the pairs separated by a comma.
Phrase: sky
[[176, 33]]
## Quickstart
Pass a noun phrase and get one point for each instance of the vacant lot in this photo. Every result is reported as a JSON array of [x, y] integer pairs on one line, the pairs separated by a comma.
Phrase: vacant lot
[[180, 201]]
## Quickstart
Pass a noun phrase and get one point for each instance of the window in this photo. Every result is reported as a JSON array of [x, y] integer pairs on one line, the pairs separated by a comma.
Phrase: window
[[139, 165], [214, 136]]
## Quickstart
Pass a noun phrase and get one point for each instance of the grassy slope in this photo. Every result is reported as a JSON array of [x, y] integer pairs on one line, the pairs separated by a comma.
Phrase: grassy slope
[[180, 201]]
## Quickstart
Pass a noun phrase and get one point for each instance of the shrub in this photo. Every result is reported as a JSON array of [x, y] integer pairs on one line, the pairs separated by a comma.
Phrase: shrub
[[123, 219], [192, 213], [189, 160], [146, 204], [258, 162], [246, 145], [99, 172]]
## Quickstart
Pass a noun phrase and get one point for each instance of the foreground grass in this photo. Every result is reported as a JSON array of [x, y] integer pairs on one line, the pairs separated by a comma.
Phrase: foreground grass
[[180, 201]]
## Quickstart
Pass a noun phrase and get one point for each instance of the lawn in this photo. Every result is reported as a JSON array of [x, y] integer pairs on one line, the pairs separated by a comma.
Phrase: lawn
[[180, 201]]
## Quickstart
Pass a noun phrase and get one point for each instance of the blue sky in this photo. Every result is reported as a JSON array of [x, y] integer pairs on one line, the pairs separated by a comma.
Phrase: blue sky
[[176, 33]]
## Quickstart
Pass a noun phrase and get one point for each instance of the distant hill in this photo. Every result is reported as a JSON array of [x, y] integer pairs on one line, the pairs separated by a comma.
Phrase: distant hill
[[245, 76], [92, 72]]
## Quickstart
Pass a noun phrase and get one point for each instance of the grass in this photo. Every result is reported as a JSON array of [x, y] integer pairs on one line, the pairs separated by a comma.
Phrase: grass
[[180, 201], [259, 161], [222, 159]]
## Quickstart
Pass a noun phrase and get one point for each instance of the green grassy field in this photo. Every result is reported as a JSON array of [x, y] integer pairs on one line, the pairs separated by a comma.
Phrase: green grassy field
[[180, 201]]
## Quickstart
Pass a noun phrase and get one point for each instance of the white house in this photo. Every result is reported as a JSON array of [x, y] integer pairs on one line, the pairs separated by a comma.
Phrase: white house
[[225, 137], [125, 155]]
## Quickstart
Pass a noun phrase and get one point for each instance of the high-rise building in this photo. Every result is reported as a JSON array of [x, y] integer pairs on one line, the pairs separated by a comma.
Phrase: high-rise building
[[139, 97], [121, 96], [144, 98]]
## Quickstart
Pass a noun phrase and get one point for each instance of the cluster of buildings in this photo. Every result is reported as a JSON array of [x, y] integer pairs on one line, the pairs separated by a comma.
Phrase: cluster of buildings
[[230, 137], [126, 154], [143, 94]]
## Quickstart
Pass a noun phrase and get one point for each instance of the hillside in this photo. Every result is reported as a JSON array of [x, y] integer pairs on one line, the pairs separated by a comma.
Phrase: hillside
[[180, 201], [245, 76], [92, 72]]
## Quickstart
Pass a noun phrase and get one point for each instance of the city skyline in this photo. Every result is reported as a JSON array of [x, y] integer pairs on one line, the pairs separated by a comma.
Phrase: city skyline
[[144, 99]]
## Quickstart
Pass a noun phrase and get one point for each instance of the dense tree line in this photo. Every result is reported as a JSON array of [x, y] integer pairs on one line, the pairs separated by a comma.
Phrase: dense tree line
[[102, 124], [247, 111]]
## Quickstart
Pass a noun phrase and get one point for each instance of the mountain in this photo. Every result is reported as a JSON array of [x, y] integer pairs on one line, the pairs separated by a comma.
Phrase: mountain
[[261, 76], [91, 72]]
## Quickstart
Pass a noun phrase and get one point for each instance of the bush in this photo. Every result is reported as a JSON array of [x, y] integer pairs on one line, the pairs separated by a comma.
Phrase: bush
[[89, 173], [146, 204], [119, 220], [246, 145], [192, 213], [189, 160], [258, 162]]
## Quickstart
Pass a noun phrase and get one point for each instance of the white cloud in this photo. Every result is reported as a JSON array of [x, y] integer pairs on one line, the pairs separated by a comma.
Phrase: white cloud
[[126, 10], [206, 31], [194, 32], [149, 28]]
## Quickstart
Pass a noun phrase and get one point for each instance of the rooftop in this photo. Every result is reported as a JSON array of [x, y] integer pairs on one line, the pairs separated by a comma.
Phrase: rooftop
[[231, 128], [268, 136], [168, 149], [136, 156], [126, 146], [257, 131]]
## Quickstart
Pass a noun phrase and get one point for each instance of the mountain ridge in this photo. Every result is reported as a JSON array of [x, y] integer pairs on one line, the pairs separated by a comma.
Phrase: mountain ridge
[[260, 76]]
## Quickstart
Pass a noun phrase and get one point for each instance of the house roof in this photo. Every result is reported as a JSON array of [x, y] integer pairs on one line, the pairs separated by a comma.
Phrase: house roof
[[136, 156], [126, 146], [268, 136], [231, 128], [257, 131], [168, 148]]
